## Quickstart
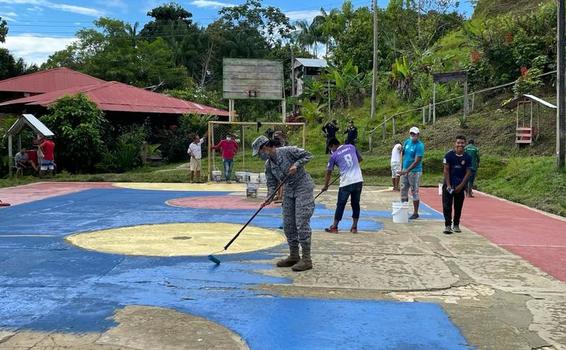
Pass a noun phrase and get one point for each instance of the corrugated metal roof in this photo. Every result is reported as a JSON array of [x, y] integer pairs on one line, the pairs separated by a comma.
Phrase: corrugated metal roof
[[513, 103], [118, 97], [48, 80], [30, 120], [310, 62]]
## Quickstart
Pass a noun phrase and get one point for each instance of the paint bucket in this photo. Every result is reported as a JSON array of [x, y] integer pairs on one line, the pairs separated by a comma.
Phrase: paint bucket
[[400, 212], [251, 190], [216, 175], [439, 189], [254, 178], [241, 176]]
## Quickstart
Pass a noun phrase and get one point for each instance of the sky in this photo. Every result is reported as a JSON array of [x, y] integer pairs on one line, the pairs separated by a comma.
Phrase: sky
[[38, 28]]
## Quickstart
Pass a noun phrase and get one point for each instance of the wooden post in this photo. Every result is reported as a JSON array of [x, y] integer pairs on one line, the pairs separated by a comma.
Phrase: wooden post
[[284, 110], [210, 142], [473, 101], [429, 113], [466, 99], [304, 135], [10, 155], [393, 121], [434, 103], [424, 115]]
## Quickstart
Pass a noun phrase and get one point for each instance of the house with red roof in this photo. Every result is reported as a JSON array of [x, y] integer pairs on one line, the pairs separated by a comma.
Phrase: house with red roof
[[33, 93]]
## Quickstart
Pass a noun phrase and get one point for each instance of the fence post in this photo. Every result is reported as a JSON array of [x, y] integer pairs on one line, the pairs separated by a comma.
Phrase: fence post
[[424, 115], [393, 121], [429, 113], [473, 101]]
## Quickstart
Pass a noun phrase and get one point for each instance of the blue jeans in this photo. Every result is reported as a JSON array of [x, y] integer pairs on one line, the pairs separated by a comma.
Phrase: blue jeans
[[228, 165], [354, 190]]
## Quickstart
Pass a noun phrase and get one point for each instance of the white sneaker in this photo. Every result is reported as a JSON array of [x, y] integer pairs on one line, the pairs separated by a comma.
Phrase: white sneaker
[[456, 228], [447, 230]]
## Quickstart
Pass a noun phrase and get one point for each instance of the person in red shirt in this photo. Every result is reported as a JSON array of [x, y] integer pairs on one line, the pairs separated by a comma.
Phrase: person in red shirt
[[47, 147], [228, 148]]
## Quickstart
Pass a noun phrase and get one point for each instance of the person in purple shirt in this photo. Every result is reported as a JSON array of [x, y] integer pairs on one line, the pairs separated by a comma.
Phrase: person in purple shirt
[[348, 159]]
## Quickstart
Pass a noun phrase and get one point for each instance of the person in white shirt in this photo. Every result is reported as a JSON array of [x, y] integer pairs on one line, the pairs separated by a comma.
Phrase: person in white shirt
[[195, 153], [396, 164]]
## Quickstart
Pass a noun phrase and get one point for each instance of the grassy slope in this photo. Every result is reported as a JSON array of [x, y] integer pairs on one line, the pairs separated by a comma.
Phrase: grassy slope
[[490, 8]]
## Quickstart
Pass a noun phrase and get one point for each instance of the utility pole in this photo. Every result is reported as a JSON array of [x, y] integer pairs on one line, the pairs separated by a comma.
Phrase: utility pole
[[374, 78], [561, 87]]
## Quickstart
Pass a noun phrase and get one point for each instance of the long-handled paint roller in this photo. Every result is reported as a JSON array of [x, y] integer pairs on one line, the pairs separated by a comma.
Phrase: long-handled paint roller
[[214, 259], [330, 184]]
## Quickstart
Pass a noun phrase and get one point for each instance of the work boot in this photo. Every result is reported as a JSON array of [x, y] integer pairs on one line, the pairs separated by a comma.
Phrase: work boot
[[305, 263], [292, 259]]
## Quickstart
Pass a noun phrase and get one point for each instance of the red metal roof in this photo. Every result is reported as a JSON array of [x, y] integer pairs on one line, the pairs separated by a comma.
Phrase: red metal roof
[[118, 97], [48, 80]]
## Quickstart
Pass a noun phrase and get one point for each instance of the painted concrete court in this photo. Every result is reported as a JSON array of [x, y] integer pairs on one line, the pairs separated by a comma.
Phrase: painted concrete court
[[102, 266]]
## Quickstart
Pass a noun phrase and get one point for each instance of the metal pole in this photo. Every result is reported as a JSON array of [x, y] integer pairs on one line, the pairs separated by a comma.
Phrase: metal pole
[[284, 110], [561, 87], [304, 136], [429, 113], [424, 115], [374, 73], [210, 140], [292, 75], [393, 121]]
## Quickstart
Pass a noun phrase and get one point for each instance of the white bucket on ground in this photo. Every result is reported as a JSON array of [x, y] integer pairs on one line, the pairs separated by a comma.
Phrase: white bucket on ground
[[439, 189], [241, 176], [262, 178], [216, 175], [400, 212], [254, 178]]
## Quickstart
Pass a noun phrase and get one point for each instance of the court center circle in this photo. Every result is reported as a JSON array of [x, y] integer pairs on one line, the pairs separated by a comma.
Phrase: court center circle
[[179, 239]]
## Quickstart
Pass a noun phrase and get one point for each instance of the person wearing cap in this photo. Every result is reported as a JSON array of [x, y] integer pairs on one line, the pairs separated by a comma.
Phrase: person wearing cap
[[287, 164], [412, 162], [330, 129], [351, 134]]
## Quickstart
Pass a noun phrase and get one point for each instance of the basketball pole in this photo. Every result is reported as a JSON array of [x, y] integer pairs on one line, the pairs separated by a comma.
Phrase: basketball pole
[[561, 87]]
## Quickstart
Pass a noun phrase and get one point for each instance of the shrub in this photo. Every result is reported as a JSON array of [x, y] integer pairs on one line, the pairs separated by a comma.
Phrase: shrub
[[78, 126], [127, 152]]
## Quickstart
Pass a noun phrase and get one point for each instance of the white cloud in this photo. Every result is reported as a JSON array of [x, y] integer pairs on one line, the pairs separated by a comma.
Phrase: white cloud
[[211, 4], [57, 6], [117, 4], [9, 16], [33, 48], [307, 15]]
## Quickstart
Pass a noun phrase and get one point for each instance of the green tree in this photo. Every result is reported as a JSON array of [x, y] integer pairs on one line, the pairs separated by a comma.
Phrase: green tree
[[78, 127], [112, 52], [187, 41], [3, 30]]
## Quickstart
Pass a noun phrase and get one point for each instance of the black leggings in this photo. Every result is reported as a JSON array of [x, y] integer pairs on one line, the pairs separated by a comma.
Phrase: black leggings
[[447, 200], [354, 190]]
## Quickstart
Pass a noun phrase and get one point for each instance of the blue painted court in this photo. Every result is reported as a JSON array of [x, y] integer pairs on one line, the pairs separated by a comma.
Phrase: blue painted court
[[46, 284]]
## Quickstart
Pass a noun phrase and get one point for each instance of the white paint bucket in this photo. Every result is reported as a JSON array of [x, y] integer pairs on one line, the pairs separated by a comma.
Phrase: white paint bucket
[[241, 176], [400, 212], [216, 175], [440, 189], [254, 178]]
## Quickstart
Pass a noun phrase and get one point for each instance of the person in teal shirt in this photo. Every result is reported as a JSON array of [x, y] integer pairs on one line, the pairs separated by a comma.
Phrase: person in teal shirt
[[474, 153], [412, 160]]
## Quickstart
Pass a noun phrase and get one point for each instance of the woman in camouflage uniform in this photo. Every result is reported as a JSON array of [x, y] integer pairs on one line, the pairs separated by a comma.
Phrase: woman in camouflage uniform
[[298, 201]]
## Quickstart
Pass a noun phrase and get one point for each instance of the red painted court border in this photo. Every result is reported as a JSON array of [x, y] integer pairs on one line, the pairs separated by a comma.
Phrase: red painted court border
[[534, 236], [42, 190]]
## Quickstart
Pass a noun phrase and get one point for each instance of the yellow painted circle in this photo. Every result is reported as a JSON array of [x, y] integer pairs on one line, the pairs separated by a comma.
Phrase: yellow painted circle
[[176, 239], [216, 187]]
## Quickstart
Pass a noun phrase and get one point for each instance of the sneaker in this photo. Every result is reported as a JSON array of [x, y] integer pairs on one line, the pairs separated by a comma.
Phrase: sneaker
[[414, 216], [447, 230], [331, 229], [456, 228], [354, 230]]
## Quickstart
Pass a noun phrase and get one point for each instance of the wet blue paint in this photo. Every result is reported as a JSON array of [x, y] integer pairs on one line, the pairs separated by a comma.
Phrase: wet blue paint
[[49, 285]]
